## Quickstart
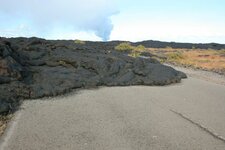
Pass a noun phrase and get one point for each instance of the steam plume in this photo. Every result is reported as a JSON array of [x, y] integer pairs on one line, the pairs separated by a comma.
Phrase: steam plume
[[81, 15]]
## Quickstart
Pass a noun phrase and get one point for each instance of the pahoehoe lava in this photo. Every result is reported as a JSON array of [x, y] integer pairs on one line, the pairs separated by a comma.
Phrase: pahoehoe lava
[[33, 68]]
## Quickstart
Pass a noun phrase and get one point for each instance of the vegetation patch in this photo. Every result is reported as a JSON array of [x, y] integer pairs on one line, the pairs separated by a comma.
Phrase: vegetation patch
[[206, 59], [79, 42], [126, 46], [175, 56]]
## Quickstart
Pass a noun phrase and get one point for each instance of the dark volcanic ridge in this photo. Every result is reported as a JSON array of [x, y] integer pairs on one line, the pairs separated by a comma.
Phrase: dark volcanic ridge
[[32, 68], [159, 44]]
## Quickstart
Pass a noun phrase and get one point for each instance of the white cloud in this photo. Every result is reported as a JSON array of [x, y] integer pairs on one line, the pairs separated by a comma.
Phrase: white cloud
[[134, 28], [82, 15], [18, 30]]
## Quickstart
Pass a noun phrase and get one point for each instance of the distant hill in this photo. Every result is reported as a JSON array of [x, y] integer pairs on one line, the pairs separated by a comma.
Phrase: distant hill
[[148, 43], [159, 44]]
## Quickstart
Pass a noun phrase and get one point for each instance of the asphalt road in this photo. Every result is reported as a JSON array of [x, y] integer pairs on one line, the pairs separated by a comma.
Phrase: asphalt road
[[185, 116]]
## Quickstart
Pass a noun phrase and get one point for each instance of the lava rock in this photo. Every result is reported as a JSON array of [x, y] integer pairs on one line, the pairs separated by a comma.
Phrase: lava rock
[[4, 107], [35, 68]]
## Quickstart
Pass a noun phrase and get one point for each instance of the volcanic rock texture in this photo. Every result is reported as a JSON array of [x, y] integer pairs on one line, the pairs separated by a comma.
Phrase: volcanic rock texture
[[34, 68]]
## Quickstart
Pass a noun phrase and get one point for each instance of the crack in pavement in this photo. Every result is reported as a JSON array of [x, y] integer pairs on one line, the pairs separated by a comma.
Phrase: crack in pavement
[[214, 134], [204, 128]]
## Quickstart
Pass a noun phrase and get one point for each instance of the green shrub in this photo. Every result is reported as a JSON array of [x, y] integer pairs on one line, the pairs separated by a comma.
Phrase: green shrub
[[79, 42], [126, 46], [140, 48]]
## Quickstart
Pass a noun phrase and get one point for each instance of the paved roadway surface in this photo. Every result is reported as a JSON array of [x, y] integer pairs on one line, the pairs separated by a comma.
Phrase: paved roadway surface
[[185, 116]]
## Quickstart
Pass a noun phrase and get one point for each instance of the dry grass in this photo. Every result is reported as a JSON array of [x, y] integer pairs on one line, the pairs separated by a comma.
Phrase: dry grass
[[208, 59]]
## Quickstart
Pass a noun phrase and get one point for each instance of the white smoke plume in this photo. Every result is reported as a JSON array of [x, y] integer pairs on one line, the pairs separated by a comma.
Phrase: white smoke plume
[[81, 15]]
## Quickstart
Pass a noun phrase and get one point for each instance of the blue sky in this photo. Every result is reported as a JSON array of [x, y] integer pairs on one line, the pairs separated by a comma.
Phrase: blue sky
[[196, 21]]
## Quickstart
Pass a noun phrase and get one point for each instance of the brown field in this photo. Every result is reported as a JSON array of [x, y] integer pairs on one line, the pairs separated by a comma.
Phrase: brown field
[[206, 59]]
